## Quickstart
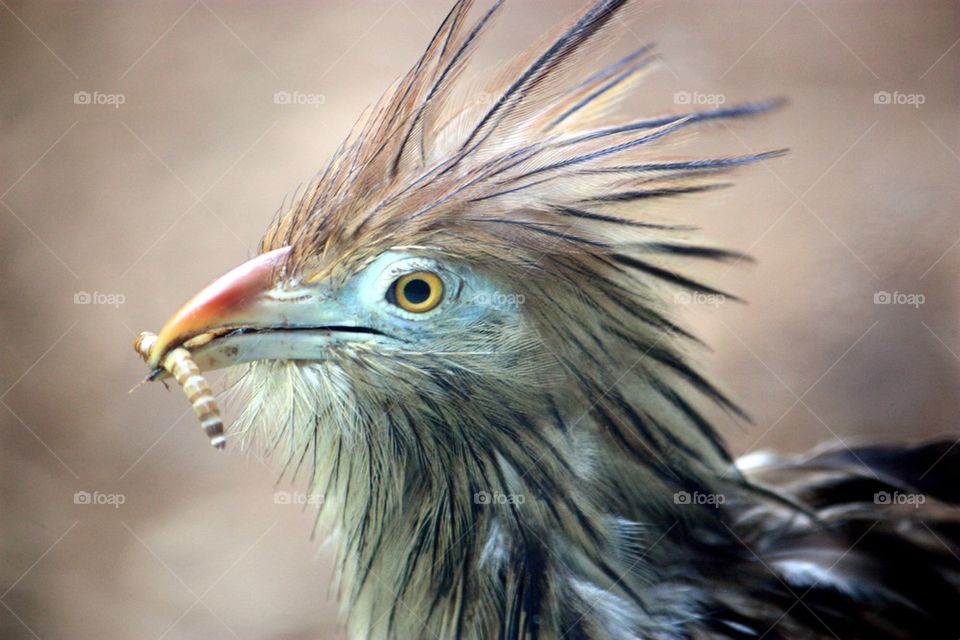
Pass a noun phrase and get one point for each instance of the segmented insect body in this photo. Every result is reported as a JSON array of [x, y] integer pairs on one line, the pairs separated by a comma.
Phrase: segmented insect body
[[179, 364]]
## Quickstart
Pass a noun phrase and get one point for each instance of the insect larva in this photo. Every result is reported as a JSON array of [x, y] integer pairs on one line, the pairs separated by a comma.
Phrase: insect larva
[[179, 364]]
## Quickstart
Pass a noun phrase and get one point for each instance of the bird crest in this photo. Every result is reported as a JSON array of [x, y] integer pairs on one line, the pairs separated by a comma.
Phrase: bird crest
[[533, 164]]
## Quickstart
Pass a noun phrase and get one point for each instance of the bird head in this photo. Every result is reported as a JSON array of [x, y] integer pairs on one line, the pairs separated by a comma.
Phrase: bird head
[[407, 329], [475, 295]]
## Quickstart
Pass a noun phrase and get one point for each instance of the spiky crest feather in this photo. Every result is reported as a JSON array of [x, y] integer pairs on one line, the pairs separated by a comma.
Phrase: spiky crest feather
[[435, 165]]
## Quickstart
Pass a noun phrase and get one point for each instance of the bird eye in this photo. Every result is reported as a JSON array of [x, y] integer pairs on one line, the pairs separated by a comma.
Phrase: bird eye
[[416, 292]]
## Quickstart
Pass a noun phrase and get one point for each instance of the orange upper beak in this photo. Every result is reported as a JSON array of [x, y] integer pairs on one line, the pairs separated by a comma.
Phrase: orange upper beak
[[248, 314], [232, 300]]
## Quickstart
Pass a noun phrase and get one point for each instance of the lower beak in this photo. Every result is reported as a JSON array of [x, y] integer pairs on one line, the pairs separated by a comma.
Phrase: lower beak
[[244, 316]]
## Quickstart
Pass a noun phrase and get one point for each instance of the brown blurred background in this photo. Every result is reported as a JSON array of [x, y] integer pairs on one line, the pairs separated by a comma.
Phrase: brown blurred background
[[140, 203]]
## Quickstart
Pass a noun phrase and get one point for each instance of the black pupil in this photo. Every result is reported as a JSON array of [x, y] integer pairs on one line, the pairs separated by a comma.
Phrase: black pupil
[[416, 291]]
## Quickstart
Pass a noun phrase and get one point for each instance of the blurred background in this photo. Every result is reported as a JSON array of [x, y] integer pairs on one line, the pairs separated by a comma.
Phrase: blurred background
[[146, 145]]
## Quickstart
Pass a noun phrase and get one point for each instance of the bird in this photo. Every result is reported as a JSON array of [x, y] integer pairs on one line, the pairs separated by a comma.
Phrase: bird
[[463, 334]]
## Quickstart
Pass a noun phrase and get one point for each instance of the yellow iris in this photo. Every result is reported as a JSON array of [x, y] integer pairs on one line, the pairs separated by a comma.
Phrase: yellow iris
[[418, 292]]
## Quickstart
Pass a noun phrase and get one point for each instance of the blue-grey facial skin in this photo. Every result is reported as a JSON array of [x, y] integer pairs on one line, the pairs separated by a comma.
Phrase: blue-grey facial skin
[[468, 298], [300, 316]]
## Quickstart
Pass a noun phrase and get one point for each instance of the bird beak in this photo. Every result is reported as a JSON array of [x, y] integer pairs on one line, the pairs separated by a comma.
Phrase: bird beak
[[244, 316]]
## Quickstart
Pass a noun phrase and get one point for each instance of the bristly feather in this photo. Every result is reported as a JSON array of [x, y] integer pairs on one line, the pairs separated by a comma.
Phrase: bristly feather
[[590, 406], [435, 165]]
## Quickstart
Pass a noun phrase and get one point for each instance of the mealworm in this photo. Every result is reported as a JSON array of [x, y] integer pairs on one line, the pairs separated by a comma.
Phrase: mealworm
[[179, 364]]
